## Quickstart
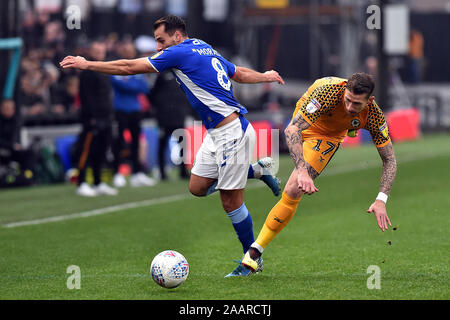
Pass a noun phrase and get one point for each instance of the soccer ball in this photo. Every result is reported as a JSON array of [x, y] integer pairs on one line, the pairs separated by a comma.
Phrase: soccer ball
[[169, 269]]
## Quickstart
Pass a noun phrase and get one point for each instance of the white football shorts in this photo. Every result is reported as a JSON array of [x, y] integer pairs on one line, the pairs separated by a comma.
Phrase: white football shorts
[[225, 155]]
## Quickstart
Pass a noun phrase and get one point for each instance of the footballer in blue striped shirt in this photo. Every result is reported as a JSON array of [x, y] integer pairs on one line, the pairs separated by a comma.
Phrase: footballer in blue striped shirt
[[223, 161]]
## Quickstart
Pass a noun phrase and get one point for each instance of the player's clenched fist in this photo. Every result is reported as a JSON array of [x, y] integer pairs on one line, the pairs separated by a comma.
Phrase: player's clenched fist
[[77, 62]]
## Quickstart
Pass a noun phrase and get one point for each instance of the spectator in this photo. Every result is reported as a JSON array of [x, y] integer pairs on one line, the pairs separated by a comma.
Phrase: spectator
[[53, 43], [415, 56], [10, 146], [128, 116], [30, 32], [171, 107], [32, 89], [53, 32], [96, 118], [38, 83], [112, 45], [66, 99]]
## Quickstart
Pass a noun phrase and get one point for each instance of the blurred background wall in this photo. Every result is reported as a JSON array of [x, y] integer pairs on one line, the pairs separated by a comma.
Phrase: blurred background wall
[[302, 39], [404, 44]]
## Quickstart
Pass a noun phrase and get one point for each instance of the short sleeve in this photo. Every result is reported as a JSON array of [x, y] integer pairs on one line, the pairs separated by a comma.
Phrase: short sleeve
[[230, 67], [377, 126], [165, 59], [319, 101]]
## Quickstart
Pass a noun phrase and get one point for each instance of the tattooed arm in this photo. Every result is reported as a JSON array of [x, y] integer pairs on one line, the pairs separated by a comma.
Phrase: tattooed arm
[[293, 134], [389, 168], [387, 179]]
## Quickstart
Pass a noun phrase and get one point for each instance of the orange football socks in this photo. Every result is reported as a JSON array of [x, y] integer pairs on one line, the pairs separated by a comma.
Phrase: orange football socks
[[278, 218]]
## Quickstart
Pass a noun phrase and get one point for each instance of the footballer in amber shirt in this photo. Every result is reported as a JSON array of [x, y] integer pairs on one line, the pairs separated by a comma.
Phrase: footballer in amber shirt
[[323, 107]]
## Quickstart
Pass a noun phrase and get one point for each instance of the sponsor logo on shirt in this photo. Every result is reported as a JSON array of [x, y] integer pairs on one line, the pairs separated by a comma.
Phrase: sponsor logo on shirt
[[313, 106], [384, 130], [355, 123], [156, 55]]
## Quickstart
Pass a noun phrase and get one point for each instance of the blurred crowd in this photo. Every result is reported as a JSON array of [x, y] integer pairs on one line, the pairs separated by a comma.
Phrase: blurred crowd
[[107, 107], [47, 94]]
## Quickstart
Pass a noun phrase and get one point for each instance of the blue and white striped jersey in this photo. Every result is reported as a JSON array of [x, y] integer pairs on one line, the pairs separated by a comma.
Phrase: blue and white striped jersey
[[204, 75]]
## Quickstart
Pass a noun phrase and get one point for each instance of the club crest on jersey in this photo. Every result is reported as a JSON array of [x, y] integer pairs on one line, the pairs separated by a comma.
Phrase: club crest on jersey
[[313, 106], [384, 130], [156, 55], [355, 123]]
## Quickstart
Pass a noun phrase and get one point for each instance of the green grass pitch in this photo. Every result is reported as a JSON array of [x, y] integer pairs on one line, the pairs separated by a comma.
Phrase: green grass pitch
[[324, 253]]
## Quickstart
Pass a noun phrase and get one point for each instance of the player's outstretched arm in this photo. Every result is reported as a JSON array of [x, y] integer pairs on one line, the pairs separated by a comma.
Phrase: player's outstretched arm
[[246, 75], [389, 167], [293, 134], [387, 179], [115, 67]]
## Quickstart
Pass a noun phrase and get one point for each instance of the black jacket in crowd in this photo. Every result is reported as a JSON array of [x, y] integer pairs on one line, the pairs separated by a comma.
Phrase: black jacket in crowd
[[9, 132], [169, 101], [96, 97]]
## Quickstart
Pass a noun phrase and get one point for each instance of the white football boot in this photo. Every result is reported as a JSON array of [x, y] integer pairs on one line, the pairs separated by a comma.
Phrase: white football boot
[[104, 189], [85, 190], [119, 181], [140, 179]]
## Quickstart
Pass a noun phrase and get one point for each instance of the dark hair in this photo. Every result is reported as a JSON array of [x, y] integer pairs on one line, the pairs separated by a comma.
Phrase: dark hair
[[360, 83], [171, 24]]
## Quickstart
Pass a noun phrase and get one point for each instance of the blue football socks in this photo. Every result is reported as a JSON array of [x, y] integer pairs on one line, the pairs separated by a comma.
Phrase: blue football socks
[[243, 225]]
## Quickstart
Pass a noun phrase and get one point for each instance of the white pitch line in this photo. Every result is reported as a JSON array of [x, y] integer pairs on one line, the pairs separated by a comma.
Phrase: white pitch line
[[97, 212], [251, 185]]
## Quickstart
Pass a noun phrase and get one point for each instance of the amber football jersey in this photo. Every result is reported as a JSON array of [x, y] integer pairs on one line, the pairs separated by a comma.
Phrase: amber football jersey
[[322, 106]]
